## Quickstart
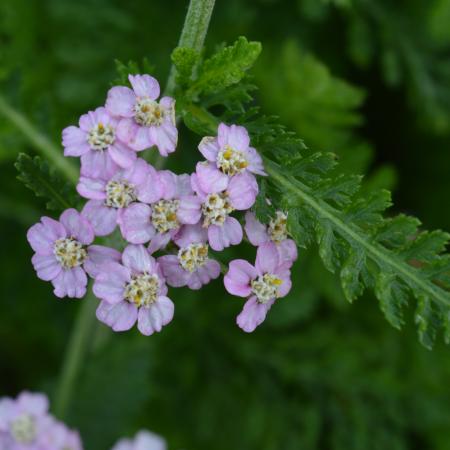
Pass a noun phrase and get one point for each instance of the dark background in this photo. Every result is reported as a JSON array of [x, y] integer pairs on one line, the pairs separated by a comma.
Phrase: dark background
[[369, 80]]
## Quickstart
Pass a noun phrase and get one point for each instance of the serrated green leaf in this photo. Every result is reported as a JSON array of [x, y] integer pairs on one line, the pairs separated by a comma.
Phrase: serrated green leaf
[[184, 60], [36, 174], [427, 320], [350, 274], [426, 246], [262, 209]]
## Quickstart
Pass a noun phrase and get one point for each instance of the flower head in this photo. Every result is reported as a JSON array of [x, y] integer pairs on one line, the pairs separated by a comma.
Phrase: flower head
[[160, 220], [96, 141], [133, 290], [111, 196], [262, 284], [228, 154], [144, 440], [63, 254], [275, 231], [191, 266], [215, 206], [144, 121]]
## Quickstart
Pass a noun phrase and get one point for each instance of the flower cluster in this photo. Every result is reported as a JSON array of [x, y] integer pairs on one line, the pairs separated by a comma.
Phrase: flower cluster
[[26, 424], [169, 221]]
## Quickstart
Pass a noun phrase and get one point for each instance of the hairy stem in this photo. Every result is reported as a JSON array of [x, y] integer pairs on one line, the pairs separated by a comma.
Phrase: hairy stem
[[74, 355], [39, 141]]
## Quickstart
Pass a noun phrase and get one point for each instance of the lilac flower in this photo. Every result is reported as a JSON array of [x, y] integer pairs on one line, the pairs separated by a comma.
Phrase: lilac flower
[[215, 206], [144, 121], [134, 290], [63, 255], [228, 154], [25, 424], [191, 266], [144, 440], [263, 284], [275, 232], [159, 221], [96, 142], [110, 197]]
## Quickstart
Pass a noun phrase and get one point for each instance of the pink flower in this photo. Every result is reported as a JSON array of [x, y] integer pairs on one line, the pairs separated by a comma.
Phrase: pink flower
[[144, 122], [144, 440], [191, 266], [110, 197], [63, 255], [215, 206], [132, 291], [159, 221], [96, 142], [275, 232], [228, 154], [25, 424], [262, 284]]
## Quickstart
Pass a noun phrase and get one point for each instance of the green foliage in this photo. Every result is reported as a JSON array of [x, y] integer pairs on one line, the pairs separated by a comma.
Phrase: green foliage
[[130, 68], [38, 176]]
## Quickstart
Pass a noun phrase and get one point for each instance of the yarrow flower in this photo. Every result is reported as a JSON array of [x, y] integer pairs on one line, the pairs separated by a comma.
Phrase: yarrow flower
[[63, 254], [144, 440], [179, 217], [275, 231], [134, 290], [263, 283], [96, 141], [191, 266], [144, 121], [25, 424]]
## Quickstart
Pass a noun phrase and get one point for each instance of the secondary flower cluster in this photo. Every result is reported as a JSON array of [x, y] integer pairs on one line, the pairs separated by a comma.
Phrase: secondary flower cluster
[[168, 221], [26, 424]]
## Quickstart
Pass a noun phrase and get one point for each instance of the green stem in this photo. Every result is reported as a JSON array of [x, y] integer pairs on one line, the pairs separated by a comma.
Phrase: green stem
[[39, 141], [75, 353]]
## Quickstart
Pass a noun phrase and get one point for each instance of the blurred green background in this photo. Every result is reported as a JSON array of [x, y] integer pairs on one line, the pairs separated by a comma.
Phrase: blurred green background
[[366, 79]]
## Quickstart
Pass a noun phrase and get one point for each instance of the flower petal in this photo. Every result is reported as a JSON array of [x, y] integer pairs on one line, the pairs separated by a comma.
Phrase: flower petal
[[121, 101], [135, 224], [255, 230], [210, 178], [151, 189], [138, 259], [235, 136], [242, 191], [42, 236], [109, 284], [238, 278], [98, 164], [77, 226], [174, 274], [145, 86], [287, 251], [91, 188], [209, 148], [145, 440], [122, 155], [230, 233], [99, 255], [267, 259], [255, 162], [253, 314], [120, 317], [103, 218], [152, 319], [74, 141], [189, 210], [190, 234], [165, 137], [46, 266], [71, 283]]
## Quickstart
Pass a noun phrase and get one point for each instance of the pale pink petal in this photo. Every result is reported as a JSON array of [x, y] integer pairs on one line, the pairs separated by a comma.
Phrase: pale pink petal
[[93, 189], [242, 191], [88, 121], [137, 173], [152, 319], [238, 278], [209, 148], [42, 236], [255, 162], [190, 234], [160, 241], [71, 283], [135, 224], [253, 314], [98, 164], [168, 103], [142, 139], [255, 230], [284, 274], [230, 233], [189, 210], [46, 266], [120, 316], [174, 274], [287, 251], [121, 101], [267, 259], [138, 259], [74, 141], [104, 117], [110, 283], [206, 273], [33, 403], [103, 218], [168, 181], [150, 190], [196, 187], [210, 178], [234, 136], [144, 86], [77, 226], [126, 130], [145, 440], [184, 185], [165, 137], [98, 255], [122, 155]]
